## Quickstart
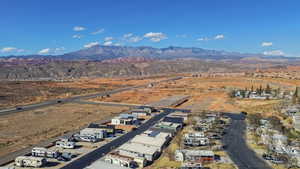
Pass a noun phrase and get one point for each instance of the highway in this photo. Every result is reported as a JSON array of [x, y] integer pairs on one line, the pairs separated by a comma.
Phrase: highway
[[237, 148], [71, 99]]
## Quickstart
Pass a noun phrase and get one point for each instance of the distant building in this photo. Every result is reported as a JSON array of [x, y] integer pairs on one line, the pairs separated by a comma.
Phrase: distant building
[[180, 114], [296, 121], [178, 120], [195, 139], [125, 119], [97, 132], [139, 150], [194, 155], [110, 129], [142, 112], [152, 138], [123, 161], [168, 125], [191, 165]]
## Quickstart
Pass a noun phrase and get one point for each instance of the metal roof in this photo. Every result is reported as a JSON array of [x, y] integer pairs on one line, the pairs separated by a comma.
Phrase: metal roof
[[174, 119], [104, 165], [139, 148]]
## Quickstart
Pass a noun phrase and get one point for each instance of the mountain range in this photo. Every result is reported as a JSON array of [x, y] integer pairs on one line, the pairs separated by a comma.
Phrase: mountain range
[[107, 61], [100, 53]]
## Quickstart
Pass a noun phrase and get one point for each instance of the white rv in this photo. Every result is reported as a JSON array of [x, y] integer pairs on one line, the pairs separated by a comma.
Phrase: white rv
[[65, 144], [28, 161], [86, 138], [43, 152]]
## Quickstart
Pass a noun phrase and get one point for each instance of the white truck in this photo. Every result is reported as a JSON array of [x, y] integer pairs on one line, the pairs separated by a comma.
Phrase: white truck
[[44, 152], [65, 144], [29, 161]]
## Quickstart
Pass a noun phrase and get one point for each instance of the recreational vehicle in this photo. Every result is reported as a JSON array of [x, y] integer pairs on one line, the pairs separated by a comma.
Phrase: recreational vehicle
[[28, 161], [43, 152]]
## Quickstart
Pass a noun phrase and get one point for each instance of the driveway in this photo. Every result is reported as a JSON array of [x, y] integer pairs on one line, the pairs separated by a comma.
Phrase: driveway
[[236, 147]]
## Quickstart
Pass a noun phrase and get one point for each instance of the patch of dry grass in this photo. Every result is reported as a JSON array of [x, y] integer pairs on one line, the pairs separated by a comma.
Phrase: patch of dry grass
[[31, 127]]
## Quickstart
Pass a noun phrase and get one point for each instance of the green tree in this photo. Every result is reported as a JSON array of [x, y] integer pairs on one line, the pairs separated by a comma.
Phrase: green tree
[[254, 119], [277, 92], [276, 123], [295, 97], [232, 93], [260, 90], [243, 93], [268, 89]]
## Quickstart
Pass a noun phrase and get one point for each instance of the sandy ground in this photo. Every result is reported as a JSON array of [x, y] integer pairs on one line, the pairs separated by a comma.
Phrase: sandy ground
[[205, 93], [25, 92], [22, 129]]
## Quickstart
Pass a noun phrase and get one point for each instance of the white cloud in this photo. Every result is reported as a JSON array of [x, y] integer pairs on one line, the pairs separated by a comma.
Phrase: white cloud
[[99, 31], [135, 39], [274, 53], [217, 37], [8, 49], [44, 51], [52, 50], [77, 36], [59, 49], [108, 38], [107, 43], [203, 39], [127, 35], [266, 44], [79, 28], [11, 49], [220, 36], [155, 36], [89, 45]]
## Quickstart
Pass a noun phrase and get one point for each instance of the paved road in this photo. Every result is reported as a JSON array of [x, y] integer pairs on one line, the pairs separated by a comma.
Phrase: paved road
[[71, 99], [239, 152], [120, 104], [95, 155]]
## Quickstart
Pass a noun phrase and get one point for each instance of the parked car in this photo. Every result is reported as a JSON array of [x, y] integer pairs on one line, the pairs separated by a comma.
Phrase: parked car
[[279, 160], [267, 157], [60, 158], [19, 108], [68, 155], [244, 113]]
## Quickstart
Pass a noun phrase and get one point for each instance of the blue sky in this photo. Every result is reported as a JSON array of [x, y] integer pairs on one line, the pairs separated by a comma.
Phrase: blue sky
[[60, 26]]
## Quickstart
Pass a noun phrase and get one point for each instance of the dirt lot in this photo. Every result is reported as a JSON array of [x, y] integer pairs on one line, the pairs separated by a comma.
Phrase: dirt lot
[[22, 129], [205, 93], [25, 92]]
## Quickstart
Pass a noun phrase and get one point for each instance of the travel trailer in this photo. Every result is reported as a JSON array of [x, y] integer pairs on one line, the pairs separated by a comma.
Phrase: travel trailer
[[43, 152], [28, 161], [65, 144]]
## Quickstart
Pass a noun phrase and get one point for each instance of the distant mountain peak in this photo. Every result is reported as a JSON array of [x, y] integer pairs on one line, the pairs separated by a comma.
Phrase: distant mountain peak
[[100, 53]]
